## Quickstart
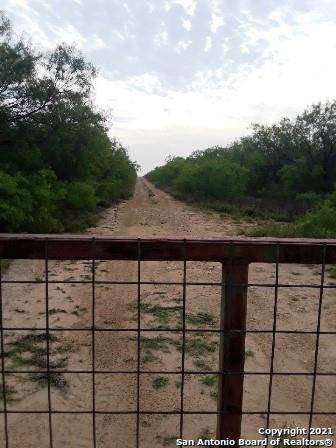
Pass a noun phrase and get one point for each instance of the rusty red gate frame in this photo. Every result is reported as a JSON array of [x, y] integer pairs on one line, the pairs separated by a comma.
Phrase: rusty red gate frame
[[235, 256]]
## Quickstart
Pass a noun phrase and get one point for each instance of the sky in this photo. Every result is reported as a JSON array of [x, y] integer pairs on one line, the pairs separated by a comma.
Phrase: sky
[[184, 75]]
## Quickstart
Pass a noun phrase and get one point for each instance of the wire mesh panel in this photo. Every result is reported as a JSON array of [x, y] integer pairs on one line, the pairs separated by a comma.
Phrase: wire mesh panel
[[142, 342]]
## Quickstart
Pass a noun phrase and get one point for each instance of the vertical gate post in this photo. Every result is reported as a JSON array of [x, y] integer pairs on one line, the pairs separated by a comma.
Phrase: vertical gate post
[[232, 349]]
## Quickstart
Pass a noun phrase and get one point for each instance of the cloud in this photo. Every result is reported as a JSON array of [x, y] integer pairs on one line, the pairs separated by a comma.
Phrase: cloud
[[216, 110], [170, 38], [161, 38], [217, 19], [183, 45], [188, 5], [186, 24], [70, 34], [208, 43], [183, 74]]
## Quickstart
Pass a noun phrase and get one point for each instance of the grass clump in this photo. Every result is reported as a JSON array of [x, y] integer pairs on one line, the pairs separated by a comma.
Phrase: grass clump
[[249, 353], [200, 319], [209, 380], [4, 264], [57, 380], [273, 229], [159, 343], [10, 393], [132, 307], [198, 346], [201, 364], [214, 394], [56, 311], [17, 310], [332, 271], [160, 382], [149, 357], [79, 311], [161, 314], [30, 351]]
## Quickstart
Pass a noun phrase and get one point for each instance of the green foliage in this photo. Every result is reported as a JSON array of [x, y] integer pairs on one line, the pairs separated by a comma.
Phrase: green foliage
[[311, 199], [160, 382], [209, 380], [204, 178], [319, 222], [57, 162], [200, 319], [332, 272], [80, 196], [214, 180], [198, 346], [298, 178], [291, 163]]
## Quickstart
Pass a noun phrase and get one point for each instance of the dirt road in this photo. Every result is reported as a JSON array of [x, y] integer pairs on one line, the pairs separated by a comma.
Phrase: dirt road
[[152, 213]]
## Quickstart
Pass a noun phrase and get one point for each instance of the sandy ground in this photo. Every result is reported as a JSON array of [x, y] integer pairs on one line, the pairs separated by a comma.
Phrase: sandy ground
[[153, 213]]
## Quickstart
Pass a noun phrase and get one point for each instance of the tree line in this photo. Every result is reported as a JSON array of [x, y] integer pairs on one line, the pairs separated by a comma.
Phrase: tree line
[[57, 162], [294, 159]]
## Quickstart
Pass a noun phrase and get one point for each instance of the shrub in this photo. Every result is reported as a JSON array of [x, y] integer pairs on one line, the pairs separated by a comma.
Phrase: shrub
[[319, 223], [56, 160], [80, 196]]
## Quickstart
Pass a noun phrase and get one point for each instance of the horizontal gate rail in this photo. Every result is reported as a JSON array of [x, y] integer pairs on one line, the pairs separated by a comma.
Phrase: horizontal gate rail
[[235, 256], [251, 250]]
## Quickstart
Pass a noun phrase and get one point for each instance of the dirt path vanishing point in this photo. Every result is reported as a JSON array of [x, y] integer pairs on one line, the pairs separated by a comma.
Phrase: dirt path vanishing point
[[153, 213]]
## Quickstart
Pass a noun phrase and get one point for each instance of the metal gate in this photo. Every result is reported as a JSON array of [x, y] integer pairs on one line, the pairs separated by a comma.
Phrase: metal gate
[[235, 257]]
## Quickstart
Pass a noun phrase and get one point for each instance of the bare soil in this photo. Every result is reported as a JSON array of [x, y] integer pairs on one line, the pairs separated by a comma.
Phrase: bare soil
[[153, 213]]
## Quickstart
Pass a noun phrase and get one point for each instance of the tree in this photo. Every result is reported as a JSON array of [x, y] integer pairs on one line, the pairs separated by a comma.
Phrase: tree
[[54, 144], [317, 129], [34, 86], [286, 159]]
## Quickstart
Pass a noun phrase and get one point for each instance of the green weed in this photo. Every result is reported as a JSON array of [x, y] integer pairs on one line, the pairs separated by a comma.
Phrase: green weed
[[149, 357], [10, 393], [201, 364], [198, 346], [160, 343], [17, 310], [209, 380], [160, 313], [249, 353], [332, 271], [200, 319], [4, 264], [56, 310], [79, 311], [31, 351], [160, 382]]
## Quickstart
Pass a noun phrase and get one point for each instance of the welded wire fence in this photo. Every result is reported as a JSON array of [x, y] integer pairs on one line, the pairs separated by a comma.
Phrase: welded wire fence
[[235, 257]]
